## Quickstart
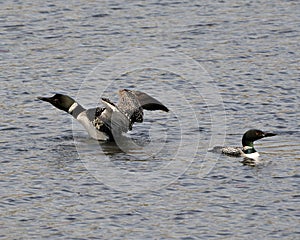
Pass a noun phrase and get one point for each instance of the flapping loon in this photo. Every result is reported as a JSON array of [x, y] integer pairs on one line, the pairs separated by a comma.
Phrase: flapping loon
[[112, 120], [247, 151]]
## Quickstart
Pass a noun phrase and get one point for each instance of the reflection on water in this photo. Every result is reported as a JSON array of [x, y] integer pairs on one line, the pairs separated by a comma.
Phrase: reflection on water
[[58, 183]]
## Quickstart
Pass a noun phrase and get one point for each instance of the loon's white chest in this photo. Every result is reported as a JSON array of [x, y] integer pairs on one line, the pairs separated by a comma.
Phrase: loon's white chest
[[253, 156], [88, 125], [252, 153]]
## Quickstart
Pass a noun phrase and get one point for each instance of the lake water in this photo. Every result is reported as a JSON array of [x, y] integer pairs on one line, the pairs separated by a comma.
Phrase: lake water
[[221, 67]]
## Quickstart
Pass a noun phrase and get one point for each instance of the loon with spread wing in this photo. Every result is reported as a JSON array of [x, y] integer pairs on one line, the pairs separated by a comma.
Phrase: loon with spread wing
[[105, 123]]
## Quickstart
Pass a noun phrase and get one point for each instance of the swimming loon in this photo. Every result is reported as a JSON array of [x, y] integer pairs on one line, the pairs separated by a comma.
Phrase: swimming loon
[[247, 151], [112, 120]]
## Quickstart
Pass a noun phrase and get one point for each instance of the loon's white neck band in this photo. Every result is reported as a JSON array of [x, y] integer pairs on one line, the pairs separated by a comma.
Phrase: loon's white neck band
[[73, 106]]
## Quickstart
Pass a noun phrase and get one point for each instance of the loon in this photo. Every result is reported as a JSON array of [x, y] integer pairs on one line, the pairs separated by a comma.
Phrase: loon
[[105, 123], [247, 151]]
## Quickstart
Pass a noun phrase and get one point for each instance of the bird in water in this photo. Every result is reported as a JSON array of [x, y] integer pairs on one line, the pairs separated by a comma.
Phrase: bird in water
[[106, 123], [247, 151]]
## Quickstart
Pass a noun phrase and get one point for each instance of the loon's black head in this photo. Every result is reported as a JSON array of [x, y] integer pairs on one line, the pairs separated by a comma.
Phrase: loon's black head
[[254, 134], [60, 101]]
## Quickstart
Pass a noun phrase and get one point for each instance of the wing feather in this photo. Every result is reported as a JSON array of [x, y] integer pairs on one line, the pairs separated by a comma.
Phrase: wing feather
[[132, 103], [120, 118], [149, 103], [114, 118]]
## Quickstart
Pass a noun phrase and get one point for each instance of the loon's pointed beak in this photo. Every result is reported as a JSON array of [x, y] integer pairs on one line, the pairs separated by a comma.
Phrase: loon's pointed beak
[[46, 99], [268, 134]]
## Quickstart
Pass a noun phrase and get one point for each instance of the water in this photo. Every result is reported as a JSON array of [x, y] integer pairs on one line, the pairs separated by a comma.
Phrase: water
[[221, 67]]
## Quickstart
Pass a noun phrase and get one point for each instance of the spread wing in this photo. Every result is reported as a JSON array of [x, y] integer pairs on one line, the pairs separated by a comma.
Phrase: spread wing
[[132, 103], [120, 118], [130, 106], [149, 103], [114, 118]]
